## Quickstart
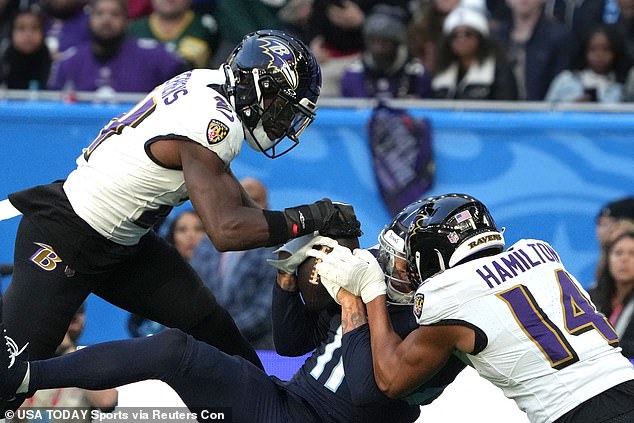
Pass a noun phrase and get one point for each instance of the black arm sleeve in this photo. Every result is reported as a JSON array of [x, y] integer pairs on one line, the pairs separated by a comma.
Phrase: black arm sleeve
[[504, 83], [294, 327]]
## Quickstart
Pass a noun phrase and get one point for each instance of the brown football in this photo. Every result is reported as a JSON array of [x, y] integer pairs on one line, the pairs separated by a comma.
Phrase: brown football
[[314, 294]]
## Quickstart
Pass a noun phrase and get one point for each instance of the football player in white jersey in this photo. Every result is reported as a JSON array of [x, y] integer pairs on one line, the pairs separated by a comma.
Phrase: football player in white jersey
[[92, 232], [517, 316]]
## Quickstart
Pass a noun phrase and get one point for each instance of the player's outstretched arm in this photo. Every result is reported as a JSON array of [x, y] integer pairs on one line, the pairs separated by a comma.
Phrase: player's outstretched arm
[[217, 196], [231, 222], [400, 366]]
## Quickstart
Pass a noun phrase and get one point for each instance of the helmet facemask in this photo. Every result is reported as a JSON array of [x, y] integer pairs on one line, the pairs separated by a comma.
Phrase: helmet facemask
[[392, 259], [271, 114]]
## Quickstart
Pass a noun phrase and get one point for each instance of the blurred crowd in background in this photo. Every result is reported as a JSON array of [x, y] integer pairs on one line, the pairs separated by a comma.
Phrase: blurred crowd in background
[[525, 50]]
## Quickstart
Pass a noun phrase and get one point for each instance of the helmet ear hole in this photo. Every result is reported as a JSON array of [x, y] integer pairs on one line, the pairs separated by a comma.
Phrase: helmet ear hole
[[246, 99], [268, 87]]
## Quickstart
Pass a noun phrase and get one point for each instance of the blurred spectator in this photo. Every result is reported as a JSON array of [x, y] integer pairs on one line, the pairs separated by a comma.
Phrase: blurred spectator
[[589, 13], [625, 24], [112, 61], [468, 64], [185, 232], [537, 47], [425, 30], [242, 281], [579, 16], [295, 18], [66, 25], [236, 18], [75, 329], [614, 293], [499, 12], [194, 37], [8, 9], [609, 217], [613, 219], [598, 70], [27, 62], [139, 8], [336, 37], [74, 398], [385, 69]]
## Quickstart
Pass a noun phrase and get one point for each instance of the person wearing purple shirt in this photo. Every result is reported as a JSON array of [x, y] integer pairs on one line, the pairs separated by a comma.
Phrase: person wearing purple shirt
[[112, 60], [385, 69], [66, 24]]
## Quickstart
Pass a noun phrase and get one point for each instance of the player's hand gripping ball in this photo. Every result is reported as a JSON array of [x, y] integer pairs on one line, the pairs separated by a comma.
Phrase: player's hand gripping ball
[[314, 294]]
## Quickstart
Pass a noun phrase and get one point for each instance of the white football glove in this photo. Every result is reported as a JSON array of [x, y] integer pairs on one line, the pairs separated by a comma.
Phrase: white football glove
[[297, 248], [358, 272]]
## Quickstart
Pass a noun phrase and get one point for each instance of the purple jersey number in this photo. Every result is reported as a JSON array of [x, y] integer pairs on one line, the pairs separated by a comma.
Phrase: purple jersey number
[[132, 119], [579, 313]]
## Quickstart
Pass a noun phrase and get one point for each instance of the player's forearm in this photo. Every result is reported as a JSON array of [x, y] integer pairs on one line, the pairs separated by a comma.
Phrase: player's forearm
[[352, 314], [243, 228], [384, 342], [292, 329]]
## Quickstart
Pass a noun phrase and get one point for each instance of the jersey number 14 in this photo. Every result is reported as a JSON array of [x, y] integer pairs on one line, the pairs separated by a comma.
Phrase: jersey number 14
[[579, 315]]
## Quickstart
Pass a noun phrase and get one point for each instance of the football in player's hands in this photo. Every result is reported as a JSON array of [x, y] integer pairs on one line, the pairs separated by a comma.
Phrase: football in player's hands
[[314, 294]]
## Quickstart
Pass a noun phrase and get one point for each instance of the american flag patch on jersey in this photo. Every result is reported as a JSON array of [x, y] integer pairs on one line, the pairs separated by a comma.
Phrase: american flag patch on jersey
[[462, 216]]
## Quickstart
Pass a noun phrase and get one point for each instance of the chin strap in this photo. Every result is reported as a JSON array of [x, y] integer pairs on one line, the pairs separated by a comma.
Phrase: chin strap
[[441, 260], [230, 84], [256, 84], [398, 297]]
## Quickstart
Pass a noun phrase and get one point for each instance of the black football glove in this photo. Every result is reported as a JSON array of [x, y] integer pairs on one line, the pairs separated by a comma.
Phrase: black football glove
[[343, 223], [335, 220]]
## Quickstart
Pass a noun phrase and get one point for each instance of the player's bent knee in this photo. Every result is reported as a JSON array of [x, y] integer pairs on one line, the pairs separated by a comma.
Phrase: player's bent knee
[[173, 344]]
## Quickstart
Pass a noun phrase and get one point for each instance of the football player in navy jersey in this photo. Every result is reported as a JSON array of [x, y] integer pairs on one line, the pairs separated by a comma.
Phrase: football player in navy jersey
[[335, 384], [92, 232], [517, 316]]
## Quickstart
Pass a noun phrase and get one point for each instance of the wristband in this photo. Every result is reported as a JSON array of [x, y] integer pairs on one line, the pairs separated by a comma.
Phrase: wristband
[[278, 228]]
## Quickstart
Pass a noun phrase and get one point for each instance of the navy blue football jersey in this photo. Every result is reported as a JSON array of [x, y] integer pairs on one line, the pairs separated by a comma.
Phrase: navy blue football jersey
[[337, 380]]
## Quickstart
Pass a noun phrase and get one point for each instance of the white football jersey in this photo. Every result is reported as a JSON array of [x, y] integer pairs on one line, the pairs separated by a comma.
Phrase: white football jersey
[[541, 339], [118, 188]]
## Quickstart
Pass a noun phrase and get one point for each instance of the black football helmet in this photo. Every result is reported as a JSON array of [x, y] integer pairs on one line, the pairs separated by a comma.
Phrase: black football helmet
[[274, 81], [392, 258], [445, 231]]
